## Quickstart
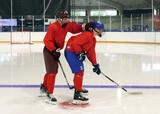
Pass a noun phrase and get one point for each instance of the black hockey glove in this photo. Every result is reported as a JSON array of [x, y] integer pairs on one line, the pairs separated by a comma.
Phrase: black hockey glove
[[96, 69], [56, 54], [81, 56]]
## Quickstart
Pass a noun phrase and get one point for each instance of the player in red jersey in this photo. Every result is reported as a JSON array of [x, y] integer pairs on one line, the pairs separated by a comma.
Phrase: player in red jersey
[[78, 47], [54, 41]]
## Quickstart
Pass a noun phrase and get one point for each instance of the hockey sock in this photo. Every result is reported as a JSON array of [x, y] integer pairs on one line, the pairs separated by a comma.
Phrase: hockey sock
[[78, 79], [50, 82], [45, 80]]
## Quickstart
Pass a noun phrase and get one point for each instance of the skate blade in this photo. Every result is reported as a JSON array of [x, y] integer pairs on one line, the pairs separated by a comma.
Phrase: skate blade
[[84, 94], [42, 95], [50, 102], [78, 102]]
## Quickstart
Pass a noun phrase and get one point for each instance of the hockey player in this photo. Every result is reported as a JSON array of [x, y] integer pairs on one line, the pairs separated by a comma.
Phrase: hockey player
[[54, 41], [78, 47]]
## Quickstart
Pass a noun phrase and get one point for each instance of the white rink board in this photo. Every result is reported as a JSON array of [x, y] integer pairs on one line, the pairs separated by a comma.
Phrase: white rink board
[[5, 36], [108, 36]]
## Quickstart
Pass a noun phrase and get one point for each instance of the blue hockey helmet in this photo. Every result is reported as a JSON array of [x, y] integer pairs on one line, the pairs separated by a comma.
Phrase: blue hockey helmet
[[98, 25]]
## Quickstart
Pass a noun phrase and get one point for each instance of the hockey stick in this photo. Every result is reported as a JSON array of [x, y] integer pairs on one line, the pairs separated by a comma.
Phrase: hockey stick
[[70, 87], [135, 93]]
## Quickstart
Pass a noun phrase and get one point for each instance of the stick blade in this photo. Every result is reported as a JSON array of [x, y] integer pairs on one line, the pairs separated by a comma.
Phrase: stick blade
[[135, 93], [71, 87]]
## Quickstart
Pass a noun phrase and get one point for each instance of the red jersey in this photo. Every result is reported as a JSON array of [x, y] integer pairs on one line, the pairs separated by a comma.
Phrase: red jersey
[[56, 34], [84, 42]]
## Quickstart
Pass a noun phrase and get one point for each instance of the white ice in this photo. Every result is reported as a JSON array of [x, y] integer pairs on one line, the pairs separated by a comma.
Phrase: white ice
[[127, 64]]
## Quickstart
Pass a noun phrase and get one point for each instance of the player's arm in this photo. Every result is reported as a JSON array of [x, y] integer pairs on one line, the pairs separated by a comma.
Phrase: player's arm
[[50, 44], [74, 28], [48, 40], [91, 55]]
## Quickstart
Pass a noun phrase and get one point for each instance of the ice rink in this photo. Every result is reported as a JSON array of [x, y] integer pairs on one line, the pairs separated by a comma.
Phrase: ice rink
[[136, 67]]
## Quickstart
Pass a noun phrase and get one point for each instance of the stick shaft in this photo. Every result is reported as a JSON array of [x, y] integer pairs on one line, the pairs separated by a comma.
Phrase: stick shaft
[[114, 82], [65, 75]]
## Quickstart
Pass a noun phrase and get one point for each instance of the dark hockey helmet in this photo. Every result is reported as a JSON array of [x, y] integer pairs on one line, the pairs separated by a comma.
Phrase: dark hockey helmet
[[62, 14], [89, 26]]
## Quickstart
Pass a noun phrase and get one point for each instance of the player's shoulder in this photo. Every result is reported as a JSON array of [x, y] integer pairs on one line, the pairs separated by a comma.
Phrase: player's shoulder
[[54, 25], [70, 23], [87, 33]]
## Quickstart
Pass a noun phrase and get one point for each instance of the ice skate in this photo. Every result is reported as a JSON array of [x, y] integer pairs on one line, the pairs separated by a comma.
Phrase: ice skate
[[43, 91], [51, 99], [84, 91], [79, 99]]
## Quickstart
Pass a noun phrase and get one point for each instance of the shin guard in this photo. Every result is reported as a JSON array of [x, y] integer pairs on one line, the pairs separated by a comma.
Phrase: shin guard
[[45, 80], [51, 82], [78, 80]]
